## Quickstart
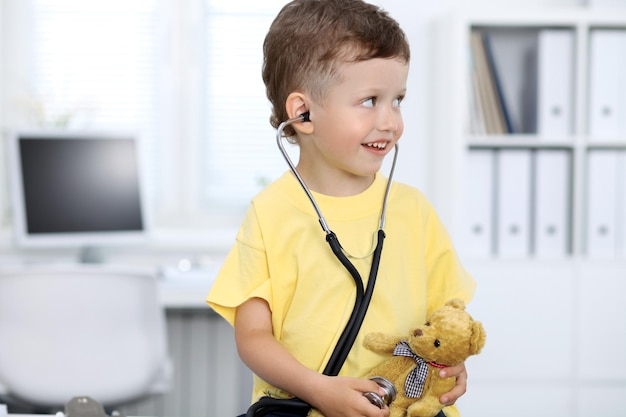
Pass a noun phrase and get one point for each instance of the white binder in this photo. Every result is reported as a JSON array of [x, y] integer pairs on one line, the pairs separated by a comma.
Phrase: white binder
[[602, 203], [478, 224], [552, 197], [621, 206], [607, 118], [513, 202], [555, 83]]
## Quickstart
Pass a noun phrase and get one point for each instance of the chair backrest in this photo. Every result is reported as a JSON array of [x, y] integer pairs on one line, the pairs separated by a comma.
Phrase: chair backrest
[[68, 331]]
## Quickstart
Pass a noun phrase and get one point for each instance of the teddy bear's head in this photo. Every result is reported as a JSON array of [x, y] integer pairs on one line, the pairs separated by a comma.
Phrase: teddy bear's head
[[449, 336]]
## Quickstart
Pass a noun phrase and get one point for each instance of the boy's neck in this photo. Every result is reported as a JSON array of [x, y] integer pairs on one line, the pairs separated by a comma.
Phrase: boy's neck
[[335, 184]]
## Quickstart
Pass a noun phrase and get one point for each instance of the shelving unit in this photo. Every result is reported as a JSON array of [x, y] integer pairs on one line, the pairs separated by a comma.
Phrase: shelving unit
[[452, 140], [554, 319]]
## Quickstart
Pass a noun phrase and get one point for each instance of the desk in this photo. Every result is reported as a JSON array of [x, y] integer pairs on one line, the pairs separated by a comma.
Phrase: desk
[[184, 294], [178, 288], [186, 289]]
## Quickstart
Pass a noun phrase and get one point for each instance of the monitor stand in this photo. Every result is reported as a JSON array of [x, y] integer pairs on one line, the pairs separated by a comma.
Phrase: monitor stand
[[91, 255]]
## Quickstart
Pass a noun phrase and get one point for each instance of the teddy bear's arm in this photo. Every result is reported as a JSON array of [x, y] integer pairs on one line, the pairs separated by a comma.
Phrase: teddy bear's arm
[[381, 343]]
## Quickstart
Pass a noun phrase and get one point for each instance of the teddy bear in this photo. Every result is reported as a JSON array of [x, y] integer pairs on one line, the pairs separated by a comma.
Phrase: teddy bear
[[448, 338]]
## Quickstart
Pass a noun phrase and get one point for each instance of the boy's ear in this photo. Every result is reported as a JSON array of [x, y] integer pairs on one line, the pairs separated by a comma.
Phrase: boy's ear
[[295, 106]]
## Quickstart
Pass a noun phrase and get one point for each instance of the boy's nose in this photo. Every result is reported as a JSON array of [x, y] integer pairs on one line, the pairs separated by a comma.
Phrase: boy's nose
[[389, 119]]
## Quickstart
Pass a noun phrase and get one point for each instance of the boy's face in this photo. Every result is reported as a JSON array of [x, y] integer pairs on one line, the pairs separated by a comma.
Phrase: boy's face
[[359, 122]]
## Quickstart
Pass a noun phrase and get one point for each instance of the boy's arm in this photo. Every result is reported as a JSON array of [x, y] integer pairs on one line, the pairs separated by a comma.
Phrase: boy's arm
[[267, 358]]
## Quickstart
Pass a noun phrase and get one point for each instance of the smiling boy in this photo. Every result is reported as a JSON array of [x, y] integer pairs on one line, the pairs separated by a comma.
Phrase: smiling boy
[[345, 62]]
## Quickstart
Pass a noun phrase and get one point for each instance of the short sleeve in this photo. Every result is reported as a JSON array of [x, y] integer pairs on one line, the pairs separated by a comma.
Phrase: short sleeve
[[244, 274]]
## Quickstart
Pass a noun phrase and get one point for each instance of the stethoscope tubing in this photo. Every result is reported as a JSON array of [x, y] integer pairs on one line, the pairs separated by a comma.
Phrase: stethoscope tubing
[[363, 296], [361, 303]]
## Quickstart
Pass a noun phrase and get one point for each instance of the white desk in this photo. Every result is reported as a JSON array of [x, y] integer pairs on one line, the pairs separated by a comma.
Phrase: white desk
[[177, 288], [184, 294], [186, 289]]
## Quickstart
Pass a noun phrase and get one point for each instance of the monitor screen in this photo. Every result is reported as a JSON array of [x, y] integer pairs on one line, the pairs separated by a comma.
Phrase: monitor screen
[[80, 189]]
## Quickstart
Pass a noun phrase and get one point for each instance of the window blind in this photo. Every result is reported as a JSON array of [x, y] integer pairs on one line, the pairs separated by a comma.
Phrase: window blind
[[240, 151]]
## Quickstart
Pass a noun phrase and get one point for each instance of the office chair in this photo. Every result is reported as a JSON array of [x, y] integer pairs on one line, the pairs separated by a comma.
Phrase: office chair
[[80, 330]]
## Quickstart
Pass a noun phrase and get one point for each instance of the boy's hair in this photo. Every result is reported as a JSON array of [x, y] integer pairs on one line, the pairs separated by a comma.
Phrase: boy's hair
[[310, 38]]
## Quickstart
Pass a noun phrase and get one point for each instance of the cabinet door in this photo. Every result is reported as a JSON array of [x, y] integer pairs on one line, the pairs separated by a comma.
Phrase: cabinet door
[[527, 309], [601, 322]]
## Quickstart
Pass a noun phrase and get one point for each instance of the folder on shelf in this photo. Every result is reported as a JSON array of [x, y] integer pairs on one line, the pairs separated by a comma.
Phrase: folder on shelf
[[555, 84], [497, 83], [513, 202], [602, 188], [485, 87], [515, 59], [476, 111], [552, 202], [607, 107], [621, 206], [478, 224]]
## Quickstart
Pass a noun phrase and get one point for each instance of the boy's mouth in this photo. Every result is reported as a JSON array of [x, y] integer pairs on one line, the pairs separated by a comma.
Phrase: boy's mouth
[[377, 145]]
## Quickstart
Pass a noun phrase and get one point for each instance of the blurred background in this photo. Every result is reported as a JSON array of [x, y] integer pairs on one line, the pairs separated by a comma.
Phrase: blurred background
[[180, 80]]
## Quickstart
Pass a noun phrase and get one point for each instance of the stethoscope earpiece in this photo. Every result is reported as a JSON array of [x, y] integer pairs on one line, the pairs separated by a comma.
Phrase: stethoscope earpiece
[[306, 117]]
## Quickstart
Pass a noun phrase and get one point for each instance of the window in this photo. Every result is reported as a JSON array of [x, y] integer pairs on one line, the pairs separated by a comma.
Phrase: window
[[240, 152], [184, 74]]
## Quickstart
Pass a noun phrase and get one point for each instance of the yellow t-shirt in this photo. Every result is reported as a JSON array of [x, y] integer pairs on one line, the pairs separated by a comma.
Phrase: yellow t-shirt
[[281, 255]]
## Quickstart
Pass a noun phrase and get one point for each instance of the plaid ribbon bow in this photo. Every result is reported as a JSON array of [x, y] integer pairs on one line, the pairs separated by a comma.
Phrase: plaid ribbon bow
[[414, 384]]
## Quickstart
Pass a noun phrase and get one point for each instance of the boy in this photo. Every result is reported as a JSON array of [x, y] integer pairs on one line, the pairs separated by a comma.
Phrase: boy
[[345, 62]]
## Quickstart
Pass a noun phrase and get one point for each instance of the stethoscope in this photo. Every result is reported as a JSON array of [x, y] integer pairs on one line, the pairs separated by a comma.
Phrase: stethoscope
[[363, 296], [268, 404]]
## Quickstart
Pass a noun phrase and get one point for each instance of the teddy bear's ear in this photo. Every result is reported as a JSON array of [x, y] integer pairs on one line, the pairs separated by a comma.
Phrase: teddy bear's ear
[[478, 338], [456, 303]]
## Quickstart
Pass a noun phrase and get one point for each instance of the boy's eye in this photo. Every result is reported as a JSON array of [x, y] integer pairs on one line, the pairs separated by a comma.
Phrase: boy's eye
[[370, 102]]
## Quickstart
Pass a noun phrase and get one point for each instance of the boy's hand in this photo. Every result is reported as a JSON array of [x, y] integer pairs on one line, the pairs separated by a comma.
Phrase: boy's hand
[[343, 397], [459, 388]]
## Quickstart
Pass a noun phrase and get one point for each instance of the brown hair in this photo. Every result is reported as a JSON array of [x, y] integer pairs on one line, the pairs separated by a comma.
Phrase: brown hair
[[309, 38]]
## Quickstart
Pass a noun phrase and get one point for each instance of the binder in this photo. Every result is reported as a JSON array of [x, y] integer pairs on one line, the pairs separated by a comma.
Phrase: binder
[[607, 118], [497, 83], [515, 56], [477, 124], [602, 203], [478, 224], [621, 206], [513, 202], [555, 84], [551, 203], [488, 96]]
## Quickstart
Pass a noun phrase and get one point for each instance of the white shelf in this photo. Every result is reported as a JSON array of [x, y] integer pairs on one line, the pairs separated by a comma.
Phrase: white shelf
[[451, 140], [540, 315]]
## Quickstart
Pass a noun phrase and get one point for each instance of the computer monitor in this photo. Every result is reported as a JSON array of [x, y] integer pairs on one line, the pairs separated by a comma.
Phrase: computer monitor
[[77, 189]]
